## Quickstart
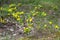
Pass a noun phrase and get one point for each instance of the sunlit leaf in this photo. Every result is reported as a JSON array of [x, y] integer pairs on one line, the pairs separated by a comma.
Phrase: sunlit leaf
[[43, 14], [10, 10], [19, 4], [11, 5]]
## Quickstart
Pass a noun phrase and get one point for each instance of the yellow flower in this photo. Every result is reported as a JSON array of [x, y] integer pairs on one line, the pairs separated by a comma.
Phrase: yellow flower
[[34, 14], [10, 10], [56, 26], [15, 15], [18, 18], [45, 25], [27, 29], [50, 22], [31, 19]]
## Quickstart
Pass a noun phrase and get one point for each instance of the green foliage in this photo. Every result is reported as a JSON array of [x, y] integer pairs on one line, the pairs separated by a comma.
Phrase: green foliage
[[39, 14], [27, 30]]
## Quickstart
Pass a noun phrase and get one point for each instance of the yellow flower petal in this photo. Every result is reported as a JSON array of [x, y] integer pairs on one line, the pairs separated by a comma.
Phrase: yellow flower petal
[[30, 19], [18, 18], [50, 22], [56, 26], [10, 10], [45, 25]]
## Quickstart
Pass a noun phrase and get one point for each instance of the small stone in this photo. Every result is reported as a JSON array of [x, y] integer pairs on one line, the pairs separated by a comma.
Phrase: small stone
[[14, 34], [11, 29]]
